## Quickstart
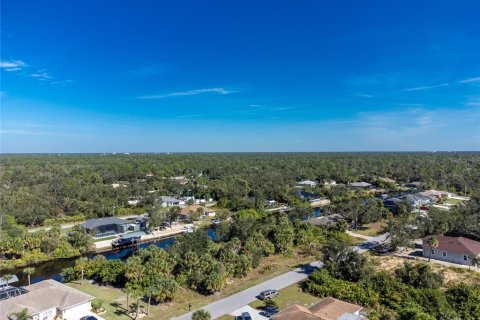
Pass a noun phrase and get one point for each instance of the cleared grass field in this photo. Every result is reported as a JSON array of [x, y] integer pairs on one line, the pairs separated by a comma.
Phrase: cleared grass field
[[372, 229], [288, 296]]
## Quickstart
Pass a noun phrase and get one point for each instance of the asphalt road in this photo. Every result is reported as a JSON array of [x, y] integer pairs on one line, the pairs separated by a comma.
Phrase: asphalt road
[[238, 300]]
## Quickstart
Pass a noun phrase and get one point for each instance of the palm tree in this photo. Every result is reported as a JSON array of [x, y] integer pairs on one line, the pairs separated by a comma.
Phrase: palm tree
[[432, 243], [201, 315], [21, 315], [82, 263], [6, 278], [29, 271]]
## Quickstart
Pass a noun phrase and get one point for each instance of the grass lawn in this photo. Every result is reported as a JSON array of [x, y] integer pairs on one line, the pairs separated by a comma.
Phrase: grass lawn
[[67, 230], [288, 296], [453, 201], [372, 229], [115, 300]]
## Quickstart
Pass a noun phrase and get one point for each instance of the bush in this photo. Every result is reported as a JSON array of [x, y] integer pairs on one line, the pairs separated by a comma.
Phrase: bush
[[68, 274], [201, 315], [419, 276], [97, 305]]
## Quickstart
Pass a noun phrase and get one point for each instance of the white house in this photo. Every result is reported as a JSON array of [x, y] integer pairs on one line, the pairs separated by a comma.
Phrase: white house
[[47, 300], [458, 250], [170, 202], [308, 183]]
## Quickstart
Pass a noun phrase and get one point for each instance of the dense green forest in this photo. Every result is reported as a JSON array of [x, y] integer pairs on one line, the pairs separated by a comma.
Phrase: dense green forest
[[39, 189]]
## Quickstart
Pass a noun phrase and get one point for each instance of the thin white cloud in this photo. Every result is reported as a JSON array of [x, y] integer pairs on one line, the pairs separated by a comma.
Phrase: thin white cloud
[[446, 84], [361, 95], [470, 80], [196, 92], [255, 105], [41, 75], [12, 65]]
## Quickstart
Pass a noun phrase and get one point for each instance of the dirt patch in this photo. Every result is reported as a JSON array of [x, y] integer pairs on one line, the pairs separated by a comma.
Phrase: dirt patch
[[452, 275]]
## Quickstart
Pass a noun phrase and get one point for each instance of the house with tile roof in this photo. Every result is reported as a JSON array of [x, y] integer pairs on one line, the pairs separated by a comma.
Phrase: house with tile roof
[[458, 250], [327, 309], [48, 300]]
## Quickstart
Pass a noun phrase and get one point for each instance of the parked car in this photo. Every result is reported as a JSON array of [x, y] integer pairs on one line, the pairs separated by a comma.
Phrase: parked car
[[268, 294], [244, 316], [88, 318], [269, 311]]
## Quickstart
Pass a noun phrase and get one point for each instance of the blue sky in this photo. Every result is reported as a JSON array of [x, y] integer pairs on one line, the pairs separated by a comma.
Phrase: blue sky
[[158, 76]]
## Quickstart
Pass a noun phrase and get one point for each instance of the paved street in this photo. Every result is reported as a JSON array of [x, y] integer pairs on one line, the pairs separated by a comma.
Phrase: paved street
[[238, 300], [372, 243]]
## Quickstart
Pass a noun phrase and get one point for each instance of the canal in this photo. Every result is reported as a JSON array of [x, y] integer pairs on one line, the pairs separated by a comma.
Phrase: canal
[[52, 269]]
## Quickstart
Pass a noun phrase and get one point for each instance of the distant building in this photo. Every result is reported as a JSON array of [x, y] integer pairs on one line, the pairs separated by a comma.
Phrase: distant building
[[133, 202], [360, 185], [327, 309], [308, 183], [415, 200], [304, 195], [207, 212], [330, 183], [48, 300], [435, 195], [180, 180], [171, 202], [414, 184], [103, 227], [458, 250], [326, 220], [386, 180]]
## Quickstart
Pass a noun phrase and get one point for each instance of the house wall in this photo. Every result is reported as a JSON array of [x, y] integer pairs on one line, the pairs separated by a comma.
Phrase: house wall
[[46, 315], [77, 312], [453, 257]]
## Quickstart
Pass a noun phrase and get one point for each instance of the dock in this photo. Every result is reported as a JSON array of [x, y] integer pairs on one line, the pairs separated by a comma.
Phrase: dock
[[106, 245]]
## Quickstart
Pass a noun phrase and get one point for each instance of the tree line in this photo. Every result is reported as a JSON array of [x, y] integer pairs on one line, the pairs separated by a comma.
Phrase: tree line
[[38, 189]]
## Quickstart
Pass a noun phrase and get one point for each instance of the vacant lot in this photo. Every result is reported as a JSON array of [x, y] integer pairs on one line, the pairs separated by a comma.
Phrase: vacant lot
[[452, 275], [372, 229]]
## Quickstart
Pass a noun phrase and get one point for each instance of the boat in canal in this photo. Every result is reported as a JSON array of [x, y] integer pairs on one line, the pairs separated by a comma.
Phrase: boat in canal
[[127, 240]]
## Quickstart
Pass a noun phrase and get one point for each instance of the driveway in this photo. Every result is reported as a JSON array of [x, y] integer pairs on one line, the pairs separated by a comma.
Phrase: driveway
[[236, 301], [371, 243], [254, 313]]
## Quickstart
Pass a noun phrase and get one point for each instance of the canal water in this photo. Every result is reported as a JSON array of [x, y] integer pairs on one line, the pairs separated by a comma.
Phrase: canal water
[[52, 269]]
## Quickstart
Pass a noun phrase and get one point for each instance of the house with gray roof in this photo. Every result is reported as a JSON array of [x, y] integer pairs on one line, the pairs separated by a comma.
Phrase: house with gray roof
[[48, 300], [171, 202], [360, 185], [104, 227]]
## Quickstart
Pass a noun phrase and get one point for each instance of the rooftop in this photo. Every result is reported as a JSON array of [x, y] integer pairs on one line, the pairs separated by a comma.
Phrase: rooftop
[[327, 309], [94, 223], [168, 199], [360, 184], [194, 207], [42, 296], [456, 244]]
